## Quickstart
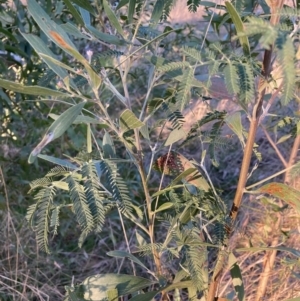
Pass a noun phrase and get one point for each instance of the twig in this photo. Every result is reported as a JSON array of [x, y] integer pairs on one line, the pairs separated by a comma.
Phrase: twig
[[127, 242], [275, 147]]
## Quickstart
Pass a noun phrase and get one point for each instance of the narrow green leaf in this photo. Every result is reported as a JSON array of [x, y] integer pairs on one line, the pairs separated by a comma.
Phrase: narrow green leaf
[[145, 132], [157, 11], [164, 206], [166, 190], [111, 39], [56, 62], [58, 161], [128, 121], [176, 135], [32, 90], [112, 18], [184, 175], [86, 5], [148, 296], [283, 138], [11, 36], [74, 12], [131, 10], [73, 30], [61, 39], [40, 47], [95, 288], [140, 239], [84, 119], [122, 3], [124, 254], [108, 146], [57, 128], [61, 185], [236, 19], [89, 139], [47, 25], [234, 122], [85, 16], [236, 276], [284, 192], [63, 122]]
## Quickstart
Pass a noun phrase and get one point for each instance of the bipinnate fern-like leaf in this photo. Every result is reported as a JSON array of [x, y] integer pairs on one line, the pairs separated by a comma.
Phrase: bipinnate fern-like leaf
[[148, 32], [183, 93], [172, 66], [147, 249], [57, 171], [220, 232], [195, 260], [193, 5], [256, 26], [286, 55], [81, 207], [42, 182], [246, 81], [174, 116], [209, 117], [116, 184], [161, 10], [194, 253], [214, 136], [193, 53], [94, 198], [238, 5], [30, 213], [54, 220], [231, 79], [44, 200]]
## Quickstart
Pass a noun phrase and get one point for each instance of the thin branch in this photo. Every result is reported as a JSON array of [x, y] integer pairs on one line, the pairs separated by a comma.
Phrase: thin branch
[[275, 147]]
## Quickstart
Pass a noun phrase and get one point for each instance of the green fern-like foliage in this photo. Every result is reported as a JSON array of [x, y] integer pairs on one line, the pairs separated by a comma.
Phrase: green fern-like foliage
[[193, 5], [174, 116], [54, 221], [83, 209], [196, 261], [117, 185], [286, 56], [231, 78], [196, 129], [42, 210], [246, 81], [148, 32], [161, 10], [215, 141], [93, 194], [183, 93], [172, 66]]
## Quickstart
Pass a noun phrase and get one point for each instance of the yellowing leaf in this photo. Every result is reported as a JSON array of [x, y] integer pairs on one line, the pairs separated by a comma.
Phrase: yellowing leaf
[[283, 192], [128, 121]]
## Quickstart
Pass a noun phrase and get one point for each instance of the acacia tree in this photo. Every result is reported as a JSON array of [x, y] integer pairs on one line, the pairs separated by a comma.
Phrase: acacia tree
[[199, 220]]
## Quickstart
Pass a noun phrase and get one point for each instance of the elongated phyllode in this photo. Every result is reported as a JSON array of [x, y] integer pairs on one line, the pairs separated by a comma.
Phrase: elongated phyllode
[[59, 39]]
